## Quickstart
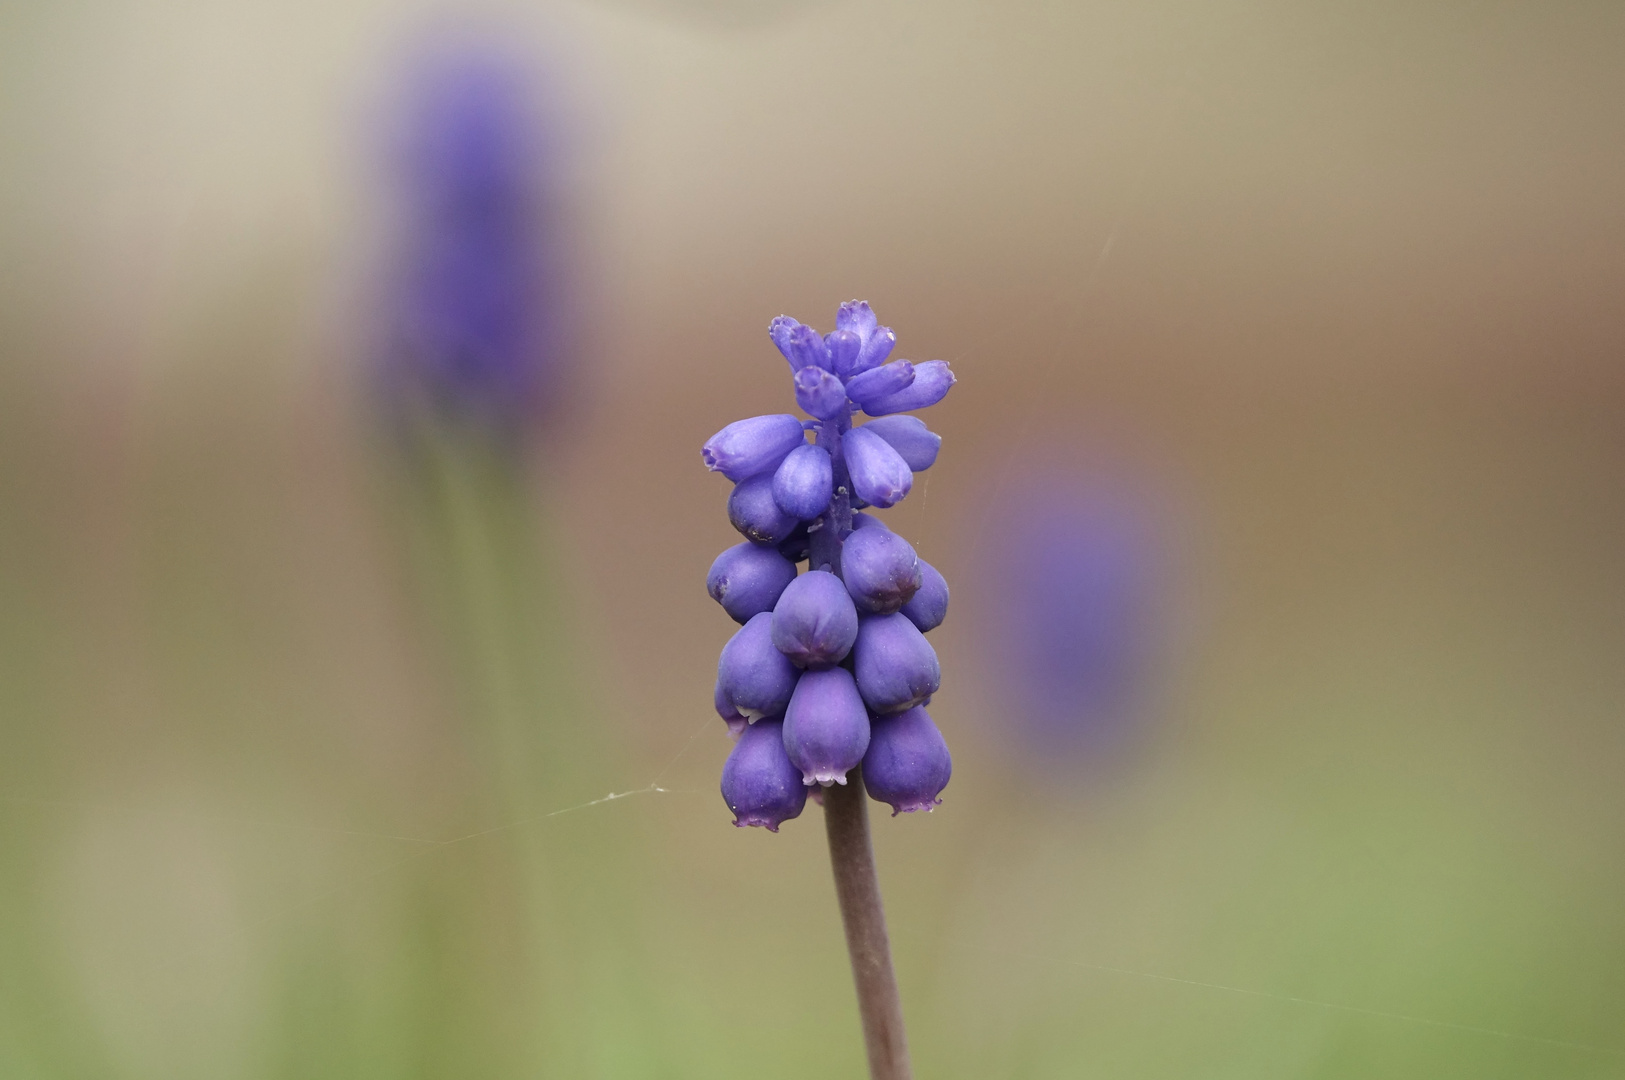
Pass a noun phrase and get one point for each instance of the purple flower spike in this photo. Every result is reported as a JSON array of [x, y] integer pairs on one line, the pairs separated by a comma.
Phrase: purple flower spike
[[844, 346], [820, 393], [759, 783], [930, 605], [916, 444], [896, 667], [754, 676], [748, 578], [814, 623], [876, 347], [746, 448], [882, 571], [826, 729], [880, 476], [907, 763], [753, 512], [880, 382], [731, 716], [932, 381], [804, 483]]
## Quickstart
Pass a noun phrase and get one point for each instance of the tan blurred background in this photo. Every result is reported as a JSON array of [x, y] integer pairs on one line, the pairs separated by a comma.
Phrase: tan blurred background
[[1337, 289]]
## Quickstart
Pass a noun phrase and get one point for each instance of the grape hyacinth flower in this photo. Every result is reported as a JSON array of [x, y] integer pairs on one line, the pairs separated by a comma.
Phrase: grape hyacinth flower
[[475, 318], [827, 680]]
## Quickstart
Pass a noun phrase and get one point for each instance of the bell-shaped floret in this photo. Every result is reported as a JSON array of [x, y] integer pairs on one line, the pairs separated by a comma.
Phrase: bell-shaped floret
[[753, 675], [896, 668], [779, 330], [929, 606], [804, 482], [916, 444], [806, 348], [753, 512], [932, 381], [880, 382], [882, 571], [826, 728], [731, 716], [814, 623], [880, 476], [843, 346], [907, 763], [856, 316], [747, 448], [759, 783], [820, 393], [748, 578]]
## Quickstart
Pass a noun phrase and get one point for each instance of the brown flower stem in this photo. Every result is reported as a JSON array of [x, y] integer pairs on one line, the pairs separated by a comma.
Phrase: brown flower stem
[[846, 818]]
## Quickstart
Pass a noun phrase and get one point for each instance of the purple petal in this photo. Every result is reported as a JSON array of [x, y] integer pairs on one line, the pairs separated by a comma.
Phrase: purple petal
[[880, 476], [803, 484], [814, 622], [820, 392], [759, 783], [747, 580], [895, 667], [807, 348], [844, 346], [754, 676], [929, 606], [747, 447], [907, 763], [932, 380], [880, 382], [882, 571], [826, 728], [753, 512], [908, 435]]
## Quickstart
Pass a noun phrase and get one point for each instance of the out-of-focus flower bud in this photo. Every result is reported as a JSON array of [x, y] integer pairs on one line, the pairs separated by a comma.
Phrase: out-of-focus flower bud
[[747, 448], [896, 668], [880, 382], [755, 677], [932, 381], [747, 580], [882, 571], [814, 622], [916, 444], [929, 606], [753, 512], [804, 482], [880, 476], [759, 783], [820, 393], [826, 729], [907, 763]]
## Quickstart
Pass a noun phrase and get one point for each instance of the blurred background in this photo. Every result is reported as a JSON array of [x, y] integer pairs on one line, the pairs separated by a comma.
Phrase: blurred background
[[354, 363]]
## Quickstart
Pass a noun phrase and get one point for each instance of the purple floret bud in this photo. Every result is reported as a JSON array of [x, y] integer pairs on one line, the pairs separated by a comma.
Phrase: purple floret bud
[[880, 476], [814, 623], [826, 729], [820, 393], [896, 667], [804, 483], [843, 346], [876, 347], [754, 676], [916, 444], [857, 317], [880, 382], [907, 763], [932, 380], [731, 716], [807, 348], [929, 606], [779, 330], [882, 571], [747, 448], [747, 580], [753, 512], [759, 783]]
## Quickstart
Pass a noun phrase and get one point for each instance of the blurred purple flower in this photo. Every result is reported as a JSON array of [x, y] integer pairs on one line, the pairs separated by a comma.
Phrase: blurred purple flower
[[1071, 570], [474, 314]]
